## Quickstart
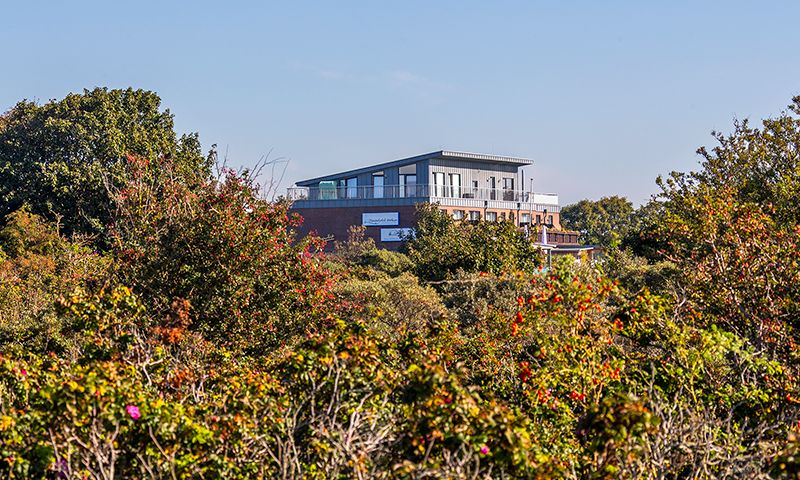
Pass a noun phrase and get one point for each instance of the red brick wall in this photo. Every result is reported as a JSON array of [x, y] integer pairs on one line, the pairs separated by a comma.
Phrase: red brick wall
[[336, 221]]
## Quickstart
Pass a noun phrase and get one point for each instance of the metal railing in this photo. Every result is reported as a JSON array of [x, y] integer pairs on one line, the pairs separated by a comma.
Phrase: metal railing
[[359, 192], [416, 191]]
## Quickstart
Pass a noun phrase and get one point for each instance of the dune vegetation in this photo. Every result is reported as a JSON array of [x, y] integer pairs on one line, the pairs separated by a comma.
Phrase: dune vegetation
[[160, 318]]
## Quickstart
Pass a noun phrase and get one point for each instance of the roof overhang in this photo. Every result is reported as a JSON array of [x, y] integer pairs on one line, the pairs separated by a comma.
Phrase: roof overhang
[[447, 154]]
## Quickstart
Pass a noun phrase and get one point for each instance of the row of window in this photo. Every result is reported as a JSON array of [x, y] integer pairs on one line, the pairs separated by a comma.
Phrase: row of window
[[475, 215], [349, 188], [453, 187]]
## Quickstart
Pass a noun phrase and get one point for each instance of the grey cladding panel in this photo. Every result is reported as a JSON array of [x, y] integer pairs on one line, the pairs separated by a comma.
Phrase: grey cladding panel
[[471, 171]]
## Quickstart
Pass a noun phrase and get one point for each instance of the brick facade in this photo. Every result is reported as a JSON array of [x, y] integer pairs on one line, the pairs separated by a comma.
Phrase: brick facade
[[335, 222]]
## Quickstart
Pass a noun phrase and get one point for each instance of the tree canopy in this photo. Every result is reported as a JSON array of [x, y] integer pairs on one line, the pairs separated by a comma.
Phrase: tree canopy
[[442, 246], [603, 222], [59, 158]]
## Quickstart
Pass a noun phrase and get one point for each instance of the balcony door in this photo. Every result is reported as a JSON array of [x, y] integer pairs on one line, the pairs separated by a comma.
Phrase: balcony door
[[508, 189], [492, 188], [408, 185], [377, 185], [438, 184], [352, 187], [455, 185]]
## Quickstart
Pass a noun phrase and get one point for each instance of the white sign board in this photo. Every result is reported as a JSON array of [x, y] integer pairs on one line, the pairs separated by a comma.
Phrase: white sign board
[[545, 198], [380, 219], [396, 234]]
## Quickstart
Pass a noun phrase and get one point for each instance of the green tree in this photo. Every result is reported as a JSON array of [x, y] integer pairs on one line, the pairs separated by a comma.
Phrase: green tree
[[760, 166], [732, 230], [60, 157], [443, 246], [602, 222]]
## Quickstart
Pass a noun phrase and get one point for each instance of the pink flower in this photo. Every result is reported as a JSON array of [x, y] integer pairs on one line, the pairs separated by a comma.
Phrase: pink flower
[[133, 411], [484, 450]]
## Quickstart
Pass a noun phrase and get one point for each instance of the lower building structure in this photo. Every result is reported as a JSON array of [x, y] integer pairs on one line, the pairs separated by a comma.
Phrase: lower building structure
[[468, 186]]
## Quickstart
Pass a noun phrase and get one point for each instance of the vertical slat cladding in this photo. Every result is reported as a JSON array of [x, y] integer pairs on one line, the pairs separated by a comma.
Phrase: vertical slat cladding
[[471, 170], [392, 176], [423, 169], [365, 179]]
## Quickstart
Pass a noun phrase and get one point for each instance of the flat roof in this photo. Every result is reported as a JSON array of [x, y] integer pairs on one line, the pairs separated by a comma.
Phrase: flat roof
[[478, 157]]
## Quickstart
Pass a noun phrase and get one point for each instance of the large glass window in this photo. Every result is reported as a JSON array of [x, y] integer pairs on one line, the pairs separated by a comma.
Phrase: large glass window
[[474, 215], [455, 185], [524, 218], [327, 190], [352, 187], [458, 214], [377, 186], [438, 184], [408, 185], [491, 216], [492, 188]]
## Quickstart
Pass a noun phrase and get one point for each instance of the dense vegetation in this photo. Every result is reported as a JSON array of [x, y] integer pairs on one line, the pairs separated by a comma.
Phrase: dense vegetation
[[160, 320]]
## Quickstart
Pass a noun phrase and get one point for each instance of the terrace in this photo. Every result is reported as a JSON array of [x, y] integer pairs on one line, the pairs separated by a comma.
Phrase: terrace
[[329, 194]]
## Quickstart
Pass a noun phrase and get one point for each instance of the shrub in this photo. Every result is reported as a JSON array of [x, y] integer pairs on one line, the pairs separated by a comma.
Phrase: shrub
[[231, 254]]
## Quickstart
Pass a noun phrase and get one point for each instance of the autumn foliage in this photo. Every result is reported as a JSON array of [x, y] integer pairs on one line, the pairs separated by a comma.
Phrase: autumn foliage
[[192, 334]]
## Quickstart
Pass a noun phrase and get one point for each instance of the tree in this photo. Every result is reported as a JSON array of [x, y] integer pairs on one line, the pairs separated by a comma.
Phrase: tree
[[759, 166], [602, 222], [732, 229], [443, 246], [60, 157]]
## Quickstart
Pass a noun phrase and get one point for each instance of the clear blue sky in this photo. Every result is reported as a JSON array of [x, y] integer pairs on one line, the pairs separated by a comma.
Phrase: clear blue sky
[[604, 96]]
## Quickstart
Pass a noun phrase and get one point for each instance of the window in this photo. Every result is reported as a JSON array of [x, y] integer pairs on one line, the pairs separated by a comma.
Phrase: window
[[503, 216], [474, 193], [455, 185], [508, 189], [549, 219], [327, 190], [377, 185], [524, 218], [352, 187], [474, 215], [458, 214], [492, 188], [408, 185], [538, 219], [491, 216], [438, 184]]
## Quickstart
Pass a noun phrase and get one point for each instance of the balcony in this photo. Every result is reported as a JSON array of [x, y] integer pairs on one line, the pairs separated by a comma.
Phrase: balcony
[[445, 195], [356, 193]]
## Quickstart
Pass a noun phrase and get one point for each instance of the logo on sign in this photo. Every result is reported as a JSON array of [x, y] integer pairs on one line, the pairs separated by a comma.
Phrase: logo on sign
[[396, 234], [380, 219]]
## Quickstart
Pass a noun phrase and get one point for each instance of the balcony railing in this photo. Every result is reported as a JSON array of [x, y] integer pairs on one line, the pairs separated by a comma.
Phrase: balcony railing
[[417, 191], [360, 192]]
